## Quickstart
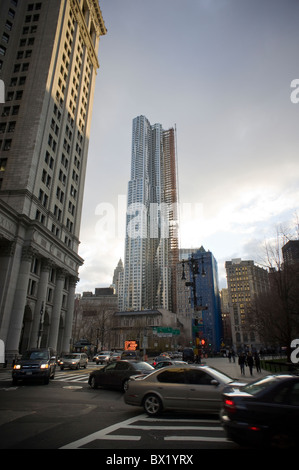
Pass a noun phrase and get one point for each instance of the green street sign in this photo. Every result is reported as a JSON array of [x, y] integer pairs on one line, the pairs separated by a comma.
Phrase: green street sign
[[165, 330]]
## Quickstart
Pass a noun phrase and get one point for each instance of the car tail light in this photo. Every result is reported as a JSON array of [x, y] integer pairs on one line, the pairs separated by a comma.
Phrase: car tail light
[[230, 405], [254, 428]]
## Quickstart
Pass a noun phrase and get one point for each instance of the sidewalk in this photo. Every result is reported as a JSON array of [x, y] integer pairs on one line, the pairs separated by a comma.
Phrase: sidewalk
[[232, 369]]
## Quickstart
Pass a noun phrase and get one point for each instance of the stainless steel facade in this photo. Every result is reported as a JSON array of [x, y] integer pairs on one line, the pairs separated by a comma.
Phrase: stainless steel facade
[[151, 248]]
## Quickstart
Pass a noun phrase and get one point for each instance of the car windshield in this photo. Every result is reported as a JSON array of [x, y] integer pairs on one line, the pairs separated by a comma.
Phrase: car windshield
[[71, 356], [256, 387], [143, 366], [35, 355]]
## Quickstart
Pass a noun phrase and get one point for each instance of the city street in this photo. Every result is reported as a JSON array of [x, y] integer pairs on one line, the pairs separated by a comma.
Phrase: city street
[[68, 414]]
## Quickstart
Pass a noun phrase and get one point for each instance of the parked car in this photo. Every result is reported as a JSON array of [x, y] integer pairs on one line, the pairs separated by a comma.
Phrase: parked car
[[131, 355], [168, 362], [102, 357], [189, 387], [73, 361], [116, 374], [35, 364], [264, 412]]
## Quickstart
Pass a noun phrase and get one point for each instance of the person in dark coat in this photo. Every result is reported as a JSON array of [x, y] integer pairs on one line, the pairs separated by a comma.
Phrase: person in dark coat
[[257, 362], [250, 362], [242, 362]]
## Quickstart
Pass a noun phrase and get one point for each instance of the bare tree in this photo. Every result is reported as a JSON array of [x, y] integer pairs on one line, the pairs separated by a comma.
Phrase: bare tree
[[94, 323], [276, 313]]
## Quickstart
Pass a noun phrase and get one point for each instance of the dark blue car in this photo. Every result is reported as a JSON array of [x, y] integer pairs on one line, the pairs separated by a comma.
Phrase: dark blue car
[[263, 413]]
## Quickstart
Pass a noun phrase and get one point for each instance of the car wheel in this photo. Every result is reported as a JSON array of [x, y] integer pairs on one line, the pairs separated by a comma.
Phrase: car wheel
[[125, 385], [152, 405], [78, 366], [93, 383]]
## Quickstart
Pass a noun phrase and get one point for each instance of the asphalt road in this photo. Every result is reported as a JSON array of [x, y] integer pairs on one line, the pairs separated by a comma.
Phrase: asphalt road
[[68, 414]]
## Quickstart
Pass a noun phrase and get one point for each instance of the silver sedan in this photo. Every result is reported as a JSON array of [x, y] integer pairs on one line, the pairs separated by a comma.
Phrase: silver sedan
[[190, 388]]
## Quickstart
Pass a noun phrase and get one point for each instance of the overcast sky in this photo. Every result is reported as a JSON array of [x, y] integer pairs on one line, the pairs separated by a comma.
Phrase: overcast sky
[[221, 72]]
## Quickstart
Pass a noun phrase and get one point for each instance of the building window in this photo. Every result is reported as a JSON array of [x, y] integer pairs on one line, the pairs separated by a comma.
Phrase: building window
[[11, 126], [8, 25], [32, 287], [3, 162], [7, 144], [50, 295], [15, 110], [11, 13], [5, 38]]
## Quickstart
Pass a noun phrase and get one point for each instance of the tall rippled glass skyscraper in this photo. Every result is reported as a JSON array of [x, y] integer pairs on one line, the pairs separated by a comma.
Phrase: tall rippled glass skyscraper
[[151, 248]]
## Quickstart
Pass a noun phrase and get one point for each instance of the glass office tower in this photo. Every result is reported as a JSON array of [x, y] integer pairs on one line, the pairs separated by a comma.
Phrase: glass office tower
[[151, 248]]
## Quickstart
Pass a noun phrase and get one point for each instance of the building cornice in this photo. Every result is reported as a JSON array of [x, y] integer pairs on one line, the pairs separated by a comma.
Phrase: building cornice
[[99, 24]]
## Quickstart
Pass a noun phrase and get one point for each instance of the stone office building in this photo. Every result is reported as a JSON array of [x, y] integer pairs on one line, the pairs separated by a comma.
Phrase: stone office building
[[245, 280], [48, 63]]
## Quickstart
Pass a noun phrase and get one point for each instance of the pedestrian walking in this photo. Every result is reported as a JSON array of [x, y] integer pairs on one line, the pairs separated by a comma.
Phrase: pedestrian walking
[[233, 356], [242, 362], [250, 362], [257, 362]]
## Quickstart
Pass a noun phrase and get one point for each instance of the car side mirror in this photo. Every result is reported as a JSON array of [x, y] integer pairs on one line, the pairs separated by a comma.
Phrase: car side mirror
[[214, 382]]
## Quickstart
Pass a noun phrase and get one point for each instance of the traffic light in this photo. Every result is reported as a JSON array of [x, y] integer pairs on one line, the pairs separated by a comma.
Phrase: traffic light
[[203, 342]]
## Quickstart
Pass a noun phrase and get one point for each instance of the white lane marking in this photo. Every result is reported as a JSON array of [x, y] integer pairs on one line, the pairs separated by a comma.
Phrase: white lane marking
[[105, 434], [102, 434]]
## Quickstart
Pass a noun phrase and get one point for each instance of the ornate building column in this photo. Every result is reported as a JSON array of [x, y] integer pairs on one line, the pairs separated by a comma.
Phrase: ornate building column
[[18, 308], [9, 267], [69, 314], [56, 311], [39, 310]]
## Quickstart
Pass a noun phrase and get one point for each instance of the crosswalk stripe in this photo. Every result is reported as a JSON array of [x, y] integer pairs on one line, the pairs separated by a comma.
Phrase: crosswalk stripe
[[60, 376], [71, 378], [154, 424]]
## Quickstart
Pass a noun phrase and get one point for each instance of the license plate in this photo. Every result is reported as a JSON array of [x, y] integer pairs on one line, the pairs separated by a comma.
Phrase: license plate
[[28, 373]]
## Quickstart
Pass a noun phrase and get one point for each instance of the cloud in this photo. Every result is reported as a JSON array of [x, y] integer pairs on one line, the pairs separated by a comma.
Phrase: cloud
[[221, 71]]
